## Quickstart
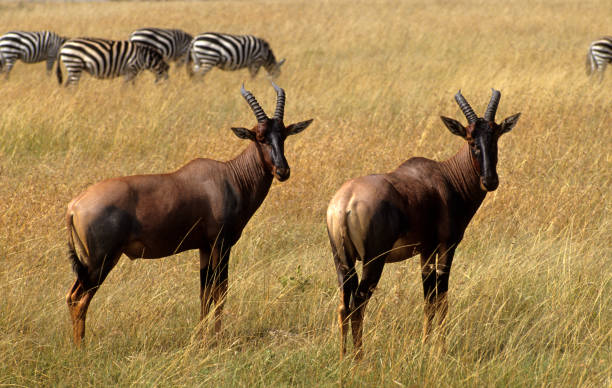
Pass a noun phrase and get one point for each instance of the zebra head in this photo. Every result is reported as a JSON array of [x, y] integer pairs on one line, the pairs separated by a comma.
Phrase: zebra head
[[270, 133], [271, 66], [152, 60]]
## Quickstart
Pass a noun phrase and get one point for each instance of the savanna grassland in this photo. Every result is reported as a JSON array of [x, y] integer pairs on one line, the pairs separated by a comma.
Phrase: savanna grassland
[[531, 285]]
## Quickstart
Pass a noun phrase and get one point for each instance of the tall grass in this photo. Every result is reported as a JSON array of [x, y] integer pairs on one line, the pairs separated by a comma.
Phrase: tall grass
[[530, 292]]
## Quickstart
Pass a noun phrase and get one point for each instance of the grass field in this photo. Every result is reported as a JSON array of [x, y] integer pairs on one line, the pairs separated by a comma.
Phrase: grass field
[[531, 287]]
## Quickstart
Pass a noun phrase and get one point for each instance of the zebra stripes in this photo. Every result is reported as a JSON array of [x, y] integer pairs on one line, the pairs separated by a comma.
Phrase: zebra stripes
[[172, 44], [232, 52], [599, 55], [29, 47], [104, 58]]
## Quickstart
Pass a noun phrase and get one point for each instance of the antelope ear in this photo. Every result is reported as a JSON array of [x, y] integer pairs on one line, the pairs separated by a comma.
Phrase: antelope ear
[[454, 126], [280, 63], [244, 133], [297, 127], [509, 123]]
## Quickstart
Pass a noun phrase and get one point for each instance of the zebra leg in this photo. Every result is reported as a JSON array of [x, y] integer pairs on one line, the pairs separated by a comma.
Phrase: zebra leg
[[9, 62], [202, 68], [130, 75], [73, 77], [74, 70], [182, 61], [189, 64], [601, 70], [254, 69], [50, 62]]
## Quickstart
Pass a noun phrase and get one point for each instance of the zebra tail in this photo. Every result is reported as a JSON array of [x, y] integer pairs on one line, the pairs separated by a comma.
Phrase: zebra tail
[[590, 62], [58, 71]]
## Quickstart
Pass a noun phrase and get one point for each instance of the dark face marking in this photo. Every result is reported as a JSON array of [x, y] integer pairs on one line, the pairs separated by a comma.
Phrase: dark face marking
[[271, 135], [483, 139]]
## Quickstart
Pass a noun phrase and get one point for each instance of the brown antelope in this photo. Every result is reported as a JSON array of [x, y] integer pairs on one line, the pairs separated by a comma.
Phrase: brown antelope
[[203, 205], [423, 207]]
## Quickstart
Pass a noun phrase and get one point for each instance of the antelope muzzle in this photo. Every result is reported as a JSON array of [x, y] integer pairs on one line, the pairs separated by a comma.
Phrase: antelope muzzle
[[282, 173], [489, 182]]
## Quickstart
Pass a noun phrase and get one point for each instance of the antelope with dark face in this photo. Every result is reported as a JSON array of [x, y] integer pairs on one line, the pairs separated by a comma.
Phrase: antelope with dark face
[[423, 207], [203, 205]]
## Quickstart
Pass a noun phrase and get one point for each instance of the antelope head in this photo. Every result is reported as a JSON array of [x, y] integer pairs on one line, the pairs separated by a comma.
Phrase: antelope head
[[482, 135], [270, 133]]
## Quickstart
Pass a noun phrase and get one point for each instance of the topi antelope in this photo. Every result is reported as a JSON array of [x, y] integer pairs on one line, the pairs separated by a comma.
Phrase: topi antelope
[[203, 205], [423, 207]]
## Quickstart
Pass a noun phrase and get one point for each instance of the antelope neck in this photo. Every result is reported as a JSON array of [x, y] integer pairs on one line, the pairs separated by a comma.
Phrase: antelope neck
[[250, 176], [462, 173]]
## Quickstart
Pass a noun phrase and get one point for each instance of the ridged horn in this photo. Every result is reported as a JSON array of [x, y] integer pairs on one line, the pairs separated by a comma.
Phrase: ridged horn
[[492, 108], [259, 112], [465, 108], [279, 113]]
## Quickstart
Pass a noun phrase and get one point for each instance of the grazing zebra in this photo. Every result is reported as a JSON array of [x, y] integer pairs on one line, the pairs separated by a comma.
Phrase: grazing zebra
[[30, 47], [104, 58], [231, 52], [599, 55], [173, 45]]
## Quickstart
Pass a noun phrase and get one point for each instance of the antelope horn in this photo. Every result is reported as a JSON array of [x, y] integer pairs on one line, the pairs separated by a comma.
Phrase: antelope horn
[[280, 102], [492, 108], [465, 108], [259, 113]]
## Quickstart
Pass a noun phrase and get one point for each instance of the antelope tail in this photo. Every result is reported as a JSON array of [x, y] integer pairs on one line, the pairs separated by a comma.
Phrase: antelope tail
[[78, 267], [344, 251]]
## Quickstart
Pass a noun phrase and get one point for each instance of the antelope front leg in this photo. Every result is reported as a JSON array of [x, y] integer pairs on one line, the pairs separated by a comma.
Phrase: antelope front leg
[[428, 277], [435, 276], [207, 281], [443, 267], [220, 289]]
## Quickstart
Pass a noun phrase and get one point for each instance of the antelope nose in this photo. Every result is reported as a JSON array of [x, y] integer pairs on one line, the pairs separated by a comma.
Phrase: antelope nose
[[282, 174], [489, 183]]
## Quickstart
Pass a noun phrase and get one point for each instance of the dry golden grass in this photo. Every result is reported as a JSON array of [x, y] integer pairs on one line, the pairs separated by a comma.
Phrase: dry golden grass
[[530, 292]]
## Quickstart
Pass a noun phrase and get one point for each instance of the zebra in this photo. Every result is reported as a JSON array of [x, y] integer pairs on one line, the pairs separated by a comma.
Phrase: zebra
[[172, 44], [30, 47], [103, 58], [231, 52], [599, 55]]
